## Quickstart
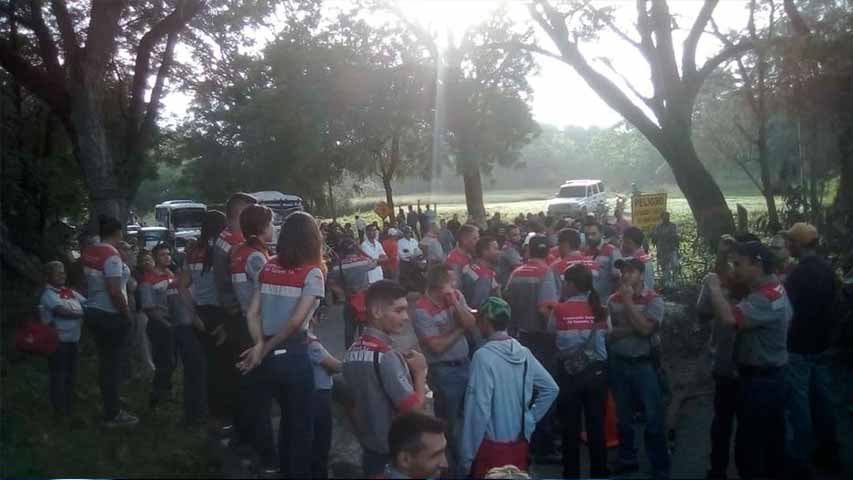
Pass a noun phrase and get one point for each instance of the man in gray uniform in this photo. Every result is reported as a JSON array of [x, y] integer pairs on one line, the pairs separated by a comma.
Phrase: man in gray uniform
[[383, 381], [761, 353]]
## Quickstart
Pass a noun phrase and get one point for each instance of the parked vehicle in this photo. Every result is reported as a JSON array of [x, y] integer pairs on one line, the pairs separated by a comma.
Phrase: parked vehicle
[[577, 197], [183, 217], [282, 205], [150, 237]]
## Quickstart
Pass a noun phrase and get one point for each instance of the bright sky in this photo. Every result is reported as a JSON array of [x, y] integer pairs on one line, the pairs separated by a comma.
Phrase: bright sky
[[560, 96]]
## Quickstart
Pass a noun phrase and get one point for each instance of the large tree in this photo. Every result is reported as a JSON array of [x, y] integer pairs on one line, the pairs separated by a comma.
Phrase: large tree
[[665, 117], [102, 68], [482, 111]]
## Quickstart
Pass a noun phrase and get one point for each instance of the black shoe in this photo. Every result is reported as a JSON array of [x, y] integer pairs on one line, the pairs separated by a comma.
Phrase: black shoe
[[624, 469]]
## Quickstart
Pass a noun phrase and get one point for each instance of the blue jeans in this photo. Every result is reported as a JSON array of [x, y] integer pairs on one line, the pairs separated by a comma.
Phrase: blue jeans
[[760, 437], [634, 383], [810, 409], [289, 378], [449, 384]]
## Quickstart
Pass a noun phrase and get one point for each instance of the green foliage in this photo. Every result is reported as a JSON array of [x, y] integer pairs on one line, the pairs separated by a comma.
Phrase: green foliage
[[35, 444]]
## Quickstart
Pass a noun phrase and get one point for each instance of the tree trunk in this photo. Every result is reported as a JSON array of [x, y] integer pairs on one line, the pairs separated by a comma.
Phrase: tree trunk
[[710, 210], [474, 195], [92, 151], [332, 201], [389, 197]]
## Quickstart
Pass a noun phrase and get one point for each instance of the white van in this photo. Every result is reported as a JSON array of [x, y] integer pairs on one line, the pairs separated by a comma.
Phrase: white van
[[183, 217], [577, 197]]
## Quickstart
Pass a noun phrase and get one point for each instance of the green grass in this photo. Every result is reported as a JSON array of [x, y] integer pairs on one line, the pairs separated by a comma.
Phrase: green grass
[[511, 203], [34, 444]]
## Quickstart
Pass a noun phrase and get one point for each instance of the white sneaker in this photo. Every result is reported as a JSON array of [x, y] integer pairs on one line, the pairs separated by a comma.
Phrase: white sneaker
[[123, 419]]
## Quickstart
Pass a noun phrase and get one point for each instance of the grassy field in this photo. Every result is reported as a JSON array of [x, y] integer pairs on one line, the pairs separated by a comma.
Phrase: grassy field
[[510, 203]]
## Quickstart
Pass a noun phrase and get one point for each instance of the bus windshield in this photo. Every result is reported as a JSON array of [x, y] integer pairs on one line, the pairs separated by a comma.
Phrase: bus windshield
[[188, 217]]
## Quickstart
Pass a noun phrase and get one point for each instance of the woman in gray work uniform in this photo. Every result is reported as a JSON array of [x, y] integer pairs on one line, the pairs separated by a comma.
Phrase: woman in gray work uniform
[[291, 286]]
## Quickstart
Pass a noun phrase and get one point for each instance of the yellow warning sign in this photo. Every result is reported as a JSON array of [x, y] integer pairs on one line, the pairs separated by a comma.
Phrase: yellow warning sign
[[646, 209]]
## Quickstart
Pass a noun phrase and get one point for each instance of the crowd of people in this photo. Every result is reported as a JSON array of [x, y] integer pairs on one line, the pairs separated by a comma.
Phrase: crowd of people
[[523, 331]]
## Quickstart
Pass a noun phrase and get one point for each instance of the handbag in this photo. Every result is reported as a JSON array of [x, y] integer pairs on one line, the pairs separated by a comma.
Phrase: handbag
[[36, 337], [576, 360]]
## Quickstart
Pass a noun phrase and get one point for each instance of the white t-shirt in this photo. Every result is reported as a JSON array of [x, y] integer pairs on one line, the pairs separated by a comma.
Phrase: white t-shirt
[[360, 225], [408, 248], [373, 250]]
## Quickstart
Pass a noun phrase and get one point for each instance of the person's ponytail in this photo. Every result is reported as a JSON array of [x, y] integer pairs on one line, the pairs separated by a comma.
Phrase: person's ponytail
[[594, 300]]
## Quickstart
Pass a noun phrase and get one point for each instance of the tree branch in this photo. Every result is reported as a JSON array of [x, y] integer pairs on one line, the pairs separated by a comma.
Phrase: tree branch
[[654, 105], [38, 82], [159, 84], [797, 23], [171, 23], [662, 27], [694, 82], [688, 59], [603, 86], [47, 48], [66, 29], [100, 38]]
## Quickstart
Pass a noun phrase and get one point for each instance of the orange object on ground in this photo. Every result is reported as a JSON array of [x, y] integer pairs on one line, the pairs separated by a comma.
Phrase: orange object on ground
[[611, 433]]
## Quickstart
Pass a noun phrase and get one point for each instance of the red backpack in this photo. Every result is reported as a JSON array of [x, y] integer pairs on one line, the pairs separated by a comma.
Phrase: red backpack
[[36, 337]]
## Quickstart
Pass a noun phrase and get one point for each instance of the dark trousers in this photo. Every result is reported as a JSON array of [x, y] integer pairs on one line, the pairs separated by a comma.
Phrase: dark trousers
[[253, 424], [63, 374], [760, 437], [322, 433], [221, 401], [542, 345], [289, 378], [584, 393], [162, 339], [195, 373], [108, 331], [350, 325], [726, 393]]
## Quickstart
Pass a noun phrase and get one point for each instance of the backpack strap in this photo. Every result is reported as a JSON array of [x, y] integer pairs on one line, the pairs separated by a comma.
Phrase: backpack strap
[[523, 403], [379, 378]]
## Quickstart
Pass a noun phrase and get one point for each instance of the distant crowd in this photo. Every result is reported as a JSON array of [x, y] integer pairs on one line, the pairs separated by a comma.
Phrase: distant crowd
[[524, 331]]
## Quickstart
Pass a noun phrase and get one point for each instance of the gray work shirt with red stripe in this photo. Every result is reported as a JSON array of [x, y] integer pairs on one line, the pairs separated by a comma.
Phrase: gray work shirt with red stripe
[[605, 256], [530, 287], [478, 283], [100, 262], [635, 345], [227, 240], [203, 286], [281, 289], [377, 400], [246, 265], [352, 270], [762, 320], [574, 322], [573, 258], [436, 320]]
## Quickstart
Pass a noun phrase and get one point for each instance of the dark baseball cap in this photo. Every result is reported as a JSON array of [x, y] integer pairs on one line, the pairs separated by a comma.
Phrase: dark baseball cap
[[758, 252], [630, 262]]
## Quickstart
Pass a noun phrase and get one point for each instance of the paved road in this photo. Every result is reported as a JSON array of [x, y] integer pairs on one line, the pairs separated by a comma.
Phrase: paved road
[[689, 460]]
